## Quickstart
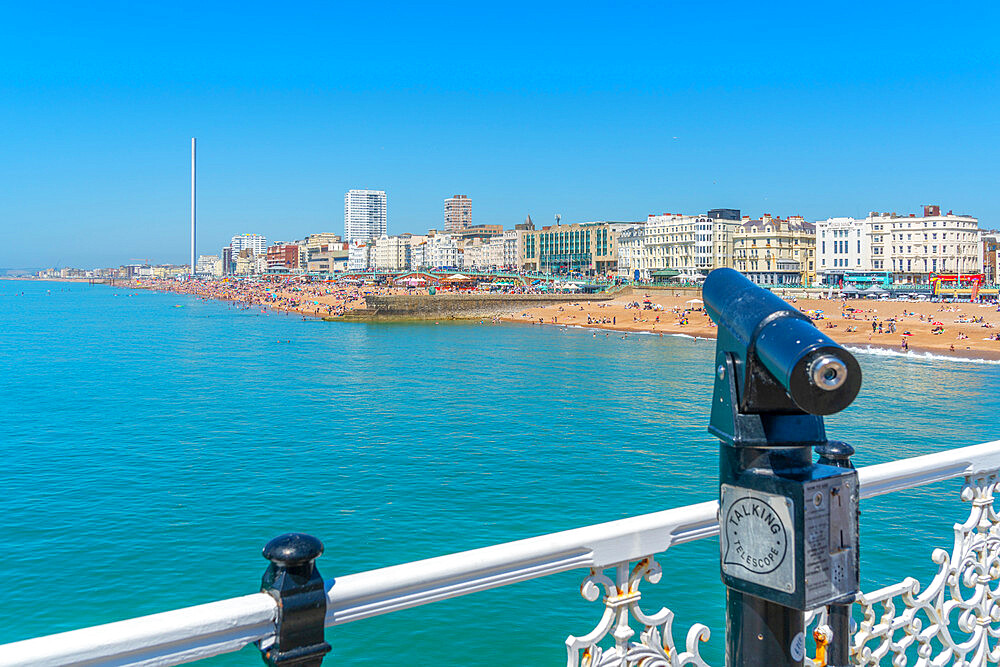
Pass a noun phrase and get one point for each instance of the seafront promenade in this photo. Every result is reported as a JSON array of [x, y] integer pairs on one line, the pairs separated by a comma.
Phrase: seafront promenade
[[957, 329]]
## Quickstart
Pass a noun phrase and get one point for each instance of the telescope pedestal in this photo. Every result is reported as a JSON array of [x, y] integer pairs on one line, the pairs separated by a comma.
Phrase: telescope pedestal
[[760, 633]]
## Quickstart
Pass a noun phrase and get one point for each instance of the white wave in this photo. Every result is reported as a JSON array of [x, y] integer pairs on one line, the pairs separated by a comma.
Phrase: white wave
[[621, 332], [919, 355]]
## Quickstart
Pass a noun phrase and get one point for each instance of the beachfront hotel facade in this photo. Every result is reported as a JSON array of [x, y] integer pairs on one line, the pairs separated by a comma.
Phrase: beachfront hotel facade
[[365, 215], [589, 248], [392, 253], [360, 256], [443, 251], [457, 213], [775, 251], [889, 248], [681, 246]]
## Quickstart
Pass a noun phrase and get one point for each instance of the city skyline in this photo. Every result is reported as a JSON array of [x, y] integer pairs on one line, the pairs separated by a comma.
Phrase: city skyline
[[842, 117]]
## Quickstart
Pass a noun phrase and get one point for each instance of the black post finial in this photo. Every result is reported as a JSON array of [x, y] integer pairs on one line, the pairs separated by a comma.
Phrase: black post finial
[[294, 581], [835, 453]]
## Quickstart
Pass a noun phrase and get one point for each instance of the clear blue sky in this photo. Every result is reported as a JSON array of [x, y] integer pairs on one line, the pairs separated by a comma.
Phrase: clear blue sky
[[593, 111]]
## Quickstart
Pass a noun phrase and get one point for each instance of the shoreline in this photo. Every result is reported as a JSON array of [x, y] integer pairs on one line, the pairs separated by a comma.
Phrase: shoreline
[[867, 348], [849, 323], [674, 315]]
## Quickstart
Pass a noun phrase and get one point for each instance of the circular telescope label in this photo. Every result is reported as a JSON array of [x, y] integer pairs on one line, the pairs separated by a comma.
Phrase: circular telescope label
[[757, 538]]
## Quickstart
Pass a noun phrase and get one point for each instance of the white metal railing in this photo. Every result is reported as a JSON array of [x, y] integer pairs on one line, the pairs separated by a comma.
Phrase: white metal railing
[[193, 633]]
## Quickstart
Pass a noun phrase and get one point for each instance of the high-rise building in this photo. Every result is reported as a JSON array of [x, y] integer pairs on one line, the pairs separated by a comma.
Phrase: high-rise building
[[255, 242], [457, 213], [365, 215]]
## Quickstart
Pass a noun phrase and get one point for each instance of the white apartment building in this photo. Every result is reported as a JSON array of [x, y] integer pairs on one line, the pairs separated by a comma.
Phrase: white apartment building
[[511, 249], [475, 254], [631, 245], [418, 255], [255, 242], [360, 256], [392, 253], [442, 251], [208, 265], [843, 247], [902, 249], [693, 245], [365, 215], [494, 253]]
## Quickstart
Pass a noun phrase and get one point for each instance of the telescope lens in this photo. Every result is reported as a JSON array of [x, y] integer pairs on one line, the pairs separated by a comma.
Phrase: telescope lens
[[828, 372]]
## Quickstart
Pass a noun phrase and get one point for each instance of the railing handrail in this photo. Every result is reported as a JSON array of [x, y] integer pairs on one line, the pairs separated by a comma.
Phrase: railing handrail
[[168, 638], [193, 633]]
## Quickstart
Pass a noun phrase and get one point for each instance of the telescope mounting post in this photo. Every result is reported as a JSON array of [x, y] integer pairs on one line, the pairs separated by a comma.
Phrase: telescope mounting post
[[788, 526]]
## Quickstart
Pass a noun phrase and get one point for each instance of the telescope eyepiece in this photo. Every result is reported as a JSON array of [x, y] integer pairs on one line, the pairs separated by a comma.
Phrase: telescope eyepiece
[[828, 372]]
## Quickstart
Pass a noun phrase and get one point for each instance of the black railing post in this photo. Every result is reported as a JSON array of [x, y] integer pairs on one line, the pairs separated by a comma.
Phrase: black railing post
[[294, 582]]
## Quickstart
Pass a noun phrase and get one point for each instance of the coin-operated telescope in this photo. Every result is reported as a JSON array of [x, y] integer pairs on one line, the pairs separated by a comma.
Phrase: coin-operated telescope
[[788, 526]]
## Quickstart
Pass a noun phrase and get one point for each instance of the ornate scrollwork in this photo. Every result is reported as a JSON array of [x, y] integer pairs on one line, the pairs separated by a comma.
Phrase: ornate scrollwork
[[955, 619], [655, 647]]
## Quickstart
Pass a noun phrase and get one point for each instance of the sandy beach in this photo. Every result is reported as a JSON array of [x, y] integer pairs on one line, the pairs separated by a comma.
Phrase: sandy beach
[[964, 329]]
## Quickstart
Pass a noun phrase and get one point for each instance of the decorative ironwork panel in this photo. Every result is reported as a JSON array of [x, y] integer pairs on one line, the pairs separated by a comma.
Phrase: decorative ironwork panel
[[954, 620], [655, 647]]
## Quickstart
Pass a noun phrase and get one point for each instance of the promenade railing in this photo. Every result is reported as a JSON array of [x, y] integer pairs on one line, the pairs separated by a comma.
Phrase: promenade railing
[[953, 619]]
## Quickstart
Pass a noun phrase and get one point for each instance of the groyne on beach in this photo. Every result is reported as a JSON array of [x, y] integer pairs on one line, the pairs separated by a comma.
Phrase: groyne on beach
[[460, 306]]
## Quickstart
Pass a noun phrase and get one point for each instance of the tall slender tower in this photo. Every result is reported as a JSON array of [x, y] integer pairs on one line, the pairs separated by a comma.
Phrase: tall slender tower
[[192, 204]]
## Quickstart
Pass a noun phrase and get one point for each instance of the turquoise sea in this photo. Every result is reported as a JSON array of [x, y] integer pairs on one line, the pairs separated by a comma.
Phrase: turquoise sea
[[152, 443]]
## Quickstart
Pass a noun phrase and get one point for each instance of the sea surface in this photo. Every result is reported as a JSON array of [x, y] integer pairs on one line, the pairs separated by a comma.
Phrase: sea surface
[[152, 443]]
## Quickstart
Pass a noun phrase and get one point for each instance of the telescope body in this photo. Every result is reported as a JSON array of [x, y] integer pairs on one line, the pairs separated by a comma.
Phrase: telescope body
[[775, 343]]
